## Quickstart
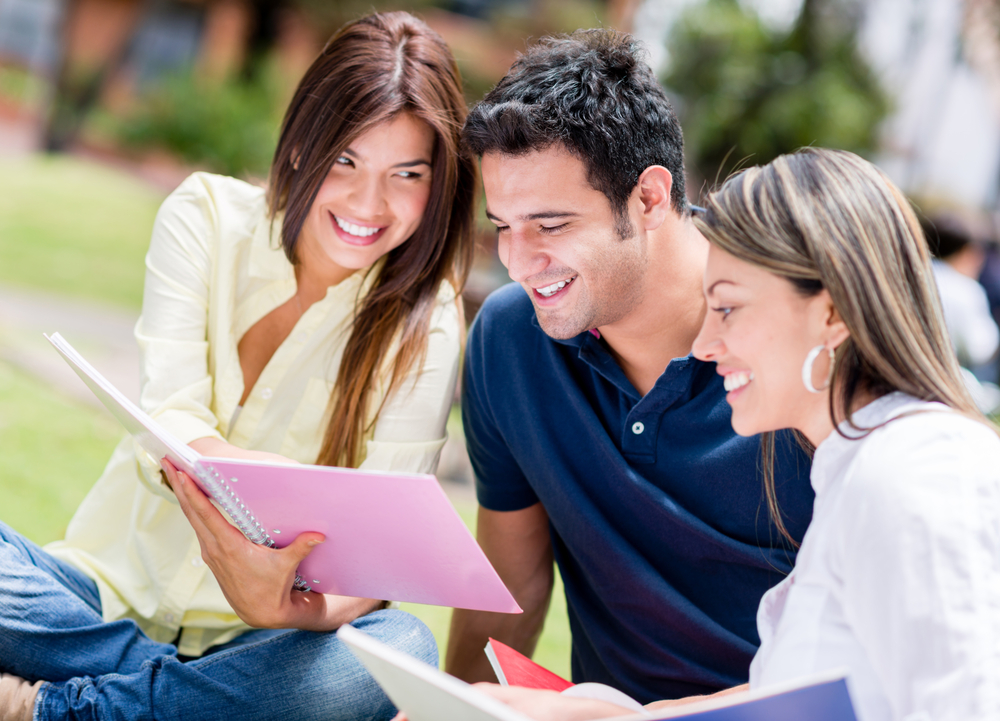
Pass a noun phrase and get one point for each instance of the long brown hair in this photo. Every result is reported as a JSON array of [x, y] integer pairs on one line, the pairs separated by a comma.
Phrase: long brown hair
[[829, 219], [372, 70]]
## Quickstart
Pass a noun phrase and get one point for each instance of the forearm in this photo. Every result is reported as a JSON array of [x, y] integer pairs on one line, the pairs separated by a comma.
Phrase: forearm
[[743, 688], [218, 448], [333, 612], [470, 631]]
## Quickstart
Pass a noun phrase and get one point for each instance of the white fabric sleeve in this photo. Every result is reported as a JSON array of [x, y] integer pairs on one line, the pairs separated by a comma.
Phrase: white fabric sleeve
[[410, 430], [172, 331], [921, 566]]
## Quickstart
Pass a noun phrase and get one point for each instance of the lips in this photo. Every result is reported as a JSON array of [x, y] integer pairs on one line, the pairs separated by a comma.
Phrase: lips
[[355, 233], [553, 290]]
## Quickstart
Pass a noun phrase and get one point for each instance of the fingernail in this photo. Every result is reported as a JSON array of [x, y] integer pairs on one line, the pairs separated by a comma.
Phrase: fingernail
[[314, 543]]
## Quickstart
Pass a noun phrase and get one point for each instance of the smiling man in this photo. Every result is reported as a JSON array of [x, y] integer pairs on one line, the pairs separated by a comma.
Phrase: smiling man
[[597, 439]]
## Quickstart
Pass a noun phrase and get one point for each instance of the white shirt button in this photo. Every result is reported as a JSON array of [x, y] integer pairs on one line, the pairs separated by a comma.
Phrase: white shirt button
[[168, 617], [302, 337], [197, 561], [266, 393], [638, 428]]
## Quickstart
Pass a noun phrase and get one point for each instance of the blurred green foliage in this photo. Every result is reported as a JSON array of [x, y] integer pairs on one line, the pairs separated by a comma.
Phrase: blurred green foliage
[[747, 93], [229, 127], [74, 227]]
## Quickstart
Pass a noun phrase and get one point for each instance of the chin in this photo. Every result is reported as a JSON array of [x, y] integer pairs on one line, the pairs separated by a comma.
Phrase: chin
[[558, 328], [746, 427]]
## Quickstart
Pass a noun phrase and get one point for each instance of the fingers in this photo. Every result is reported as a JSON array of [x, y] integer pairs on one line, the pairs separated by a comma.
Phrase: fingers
[[170, 471], [302, 546], [208, 523]]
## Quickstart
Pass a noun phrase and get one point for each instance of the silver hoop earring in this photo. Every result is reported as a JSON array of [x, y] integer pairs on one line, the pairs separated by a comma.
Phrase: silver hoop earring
[[807, 369]]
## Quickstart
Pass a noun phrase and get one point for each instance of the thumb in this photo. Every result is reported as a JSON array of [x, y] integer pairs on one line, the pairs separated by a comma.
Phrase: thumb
[[303, 545]]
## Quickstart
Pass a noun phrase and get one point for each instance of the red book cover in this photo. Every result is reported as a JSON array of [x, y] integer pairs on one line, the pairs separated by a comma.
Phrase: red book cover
[[516, 669]]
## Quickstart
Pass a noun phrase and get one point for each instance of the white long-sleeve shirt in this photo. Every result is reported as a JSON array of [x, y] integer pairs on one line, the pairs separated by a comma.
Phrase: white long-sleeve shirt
[[898, 576]]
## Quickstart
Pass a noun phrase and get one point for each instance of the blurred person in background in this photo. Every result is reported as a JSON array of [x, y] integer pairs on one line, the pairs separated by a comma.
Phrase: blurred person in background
[[958, 242], [313, 321]]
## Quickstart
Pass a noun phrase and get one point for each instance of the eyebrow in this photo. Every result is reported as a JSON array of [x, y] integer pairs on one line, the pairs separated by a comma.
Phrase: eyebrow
[[718, 282], [406, 164], [541, 215]]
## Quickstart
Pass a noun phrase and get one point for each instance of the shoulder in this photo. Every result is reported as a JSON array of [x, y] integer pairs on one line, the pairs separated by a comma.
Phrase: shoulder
[[211, 196], [445, 317], [918, 463]]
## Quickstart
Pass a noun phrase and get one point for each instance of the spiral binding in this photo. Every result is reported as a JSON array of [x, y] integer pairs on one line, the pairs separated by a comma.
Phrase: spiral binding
[[231, 503]]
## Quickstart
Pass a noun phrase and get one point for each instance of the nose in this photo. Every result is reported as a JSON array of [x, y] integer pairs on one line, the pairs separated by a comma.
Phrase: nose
[[708, 345], [521, 258], [368, 197]]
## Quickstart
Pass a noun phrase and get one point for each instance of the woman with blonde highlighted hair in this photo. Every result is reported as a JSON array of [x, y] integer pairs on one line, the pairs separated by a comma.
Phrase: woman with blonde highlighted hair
[[824, 317]]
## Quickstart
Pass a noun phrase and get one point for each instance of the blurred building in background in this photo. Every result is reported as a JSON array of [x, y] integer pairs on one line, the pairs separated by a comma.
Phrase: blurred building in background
[[942, 60]]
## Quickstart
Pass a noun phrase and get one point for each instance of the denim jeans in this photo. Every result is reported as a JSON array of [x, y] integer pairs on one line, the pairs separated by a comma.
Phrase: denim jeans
[[51, 629]]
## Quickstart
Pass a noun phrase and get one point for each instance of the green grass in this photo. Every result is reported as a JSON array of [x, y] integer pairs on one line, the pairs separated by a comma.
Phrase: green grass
[[75, 228], [52, 451]]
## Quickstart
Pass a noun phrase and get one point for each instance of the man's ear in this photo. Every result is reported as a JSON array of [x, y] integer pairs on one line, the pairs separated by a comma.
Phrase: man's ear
[[653, 193]]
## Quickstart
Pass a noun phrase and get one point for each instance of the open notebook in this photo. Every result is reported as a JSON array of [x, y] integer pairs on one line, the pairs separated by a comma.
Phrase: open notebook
[[427, 694], [388, 535]]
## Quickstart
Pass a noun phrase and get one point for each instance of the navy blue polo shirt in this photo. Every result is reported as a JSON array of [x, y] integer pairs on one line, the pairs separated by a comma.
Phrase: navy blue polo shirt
[[656, 507]]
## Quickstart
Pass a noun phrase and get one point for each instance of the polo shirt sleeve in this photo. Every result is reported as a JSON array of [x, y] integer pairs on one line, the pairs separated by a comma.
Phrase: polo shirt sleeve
[[500, 483]]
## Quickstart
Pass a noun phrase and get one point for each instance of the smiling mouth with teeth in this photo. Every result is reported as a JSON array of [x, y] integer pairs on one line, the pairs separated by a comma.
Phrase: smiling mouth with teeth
[[550, 290], [360, 231], [732, 381]]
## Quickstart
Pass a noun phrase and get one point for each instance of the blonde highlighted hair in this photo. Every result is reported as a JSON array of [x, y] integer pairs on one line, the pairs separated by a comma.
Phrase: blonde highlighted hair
[[827, 219]]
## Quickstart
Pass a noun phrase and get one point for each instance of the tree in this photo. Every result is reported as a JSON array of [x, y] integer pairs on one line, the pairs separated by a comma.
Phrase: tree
[[747, 93]]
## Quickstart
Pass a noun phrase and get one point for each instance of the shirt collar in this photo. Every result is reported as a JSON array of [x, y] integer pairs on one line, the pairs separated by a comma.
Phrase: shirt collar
[[593, 352], [837, 450]]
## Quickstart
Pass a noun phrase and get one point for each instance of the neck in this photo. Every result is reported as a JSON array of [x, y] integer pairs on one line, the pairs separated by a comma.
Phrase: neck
[[315, 272], [665, 323], [818, 426]]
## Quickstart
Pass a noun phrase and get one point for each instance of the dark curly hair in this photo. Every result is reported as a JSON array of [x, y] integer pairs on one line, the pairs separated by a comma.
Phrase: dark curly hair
[[593, 93]]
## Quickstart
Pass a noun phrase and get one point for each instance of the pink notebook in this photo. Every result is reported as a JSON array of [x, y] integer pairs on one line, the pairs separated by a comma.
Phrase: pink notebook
[[391, 536]]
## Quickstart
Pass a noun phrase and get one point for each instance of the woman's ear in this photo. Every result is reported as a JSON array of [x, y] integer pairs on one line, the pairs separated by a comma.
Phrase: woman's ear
[[836, 329]]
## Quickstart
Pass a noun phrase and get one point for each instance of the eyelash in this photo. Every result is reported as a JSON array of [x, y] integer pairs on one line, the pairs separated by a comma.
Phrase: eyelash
[[725, 311], [543, 229], [405, 174]]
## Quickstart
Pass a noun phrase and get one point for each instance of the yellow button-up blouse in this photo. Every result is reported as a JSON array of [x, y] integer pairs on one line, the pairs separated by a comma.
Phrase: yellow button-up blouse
[[214, 268]]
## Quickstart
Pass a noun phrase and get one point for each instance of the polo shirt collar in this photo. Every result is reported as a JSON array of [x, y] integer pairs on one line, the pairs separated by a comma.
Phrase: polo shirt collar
[[674, 381]]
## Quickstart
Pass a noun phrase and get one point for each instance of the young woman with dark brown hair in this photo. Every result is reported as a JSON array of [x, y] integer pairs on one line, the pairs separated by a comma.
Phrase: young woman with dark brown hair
[[315, 321]]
